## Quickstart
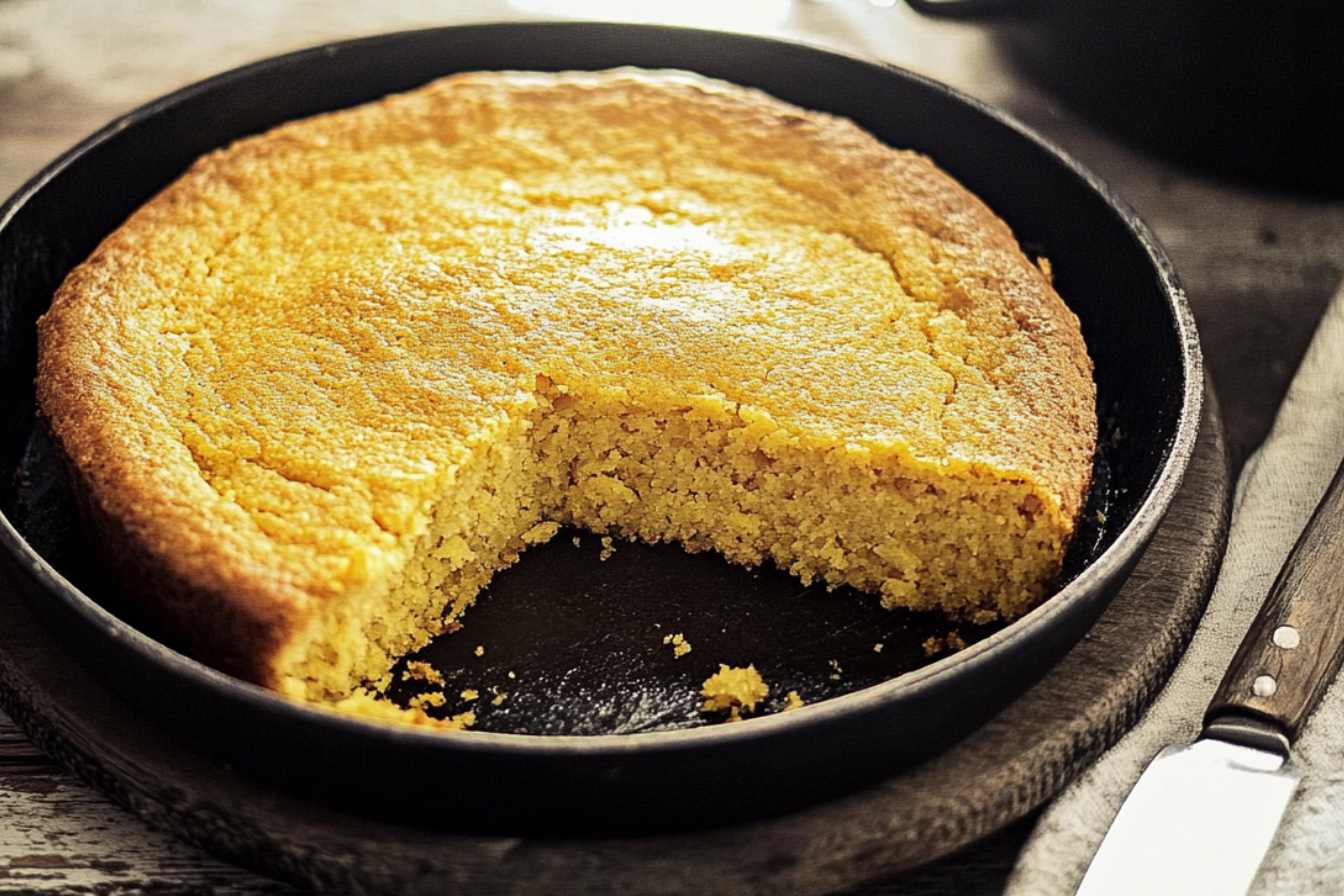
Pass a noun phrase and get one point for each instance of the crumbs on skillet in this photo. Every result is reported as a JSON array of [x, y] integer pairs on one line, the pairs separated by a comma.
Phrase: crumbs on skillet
[[680, 646], [418, 670], [733, 690]]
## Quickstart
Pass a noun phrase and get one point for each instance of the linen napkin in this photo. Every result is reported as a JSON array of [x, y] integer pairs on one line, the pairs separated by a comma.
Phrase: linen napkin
[[1276, 493]]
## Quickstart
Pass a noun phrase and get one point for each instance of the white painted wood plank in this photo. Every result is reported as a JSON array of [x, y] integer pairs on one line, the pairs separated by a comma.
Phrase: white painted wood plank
[[58, 835]]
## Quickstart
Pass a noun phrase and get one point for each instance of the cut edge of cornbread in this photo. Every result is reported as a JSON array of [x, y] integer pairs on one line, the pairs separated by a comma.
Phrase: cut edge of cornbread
[[706, 473]]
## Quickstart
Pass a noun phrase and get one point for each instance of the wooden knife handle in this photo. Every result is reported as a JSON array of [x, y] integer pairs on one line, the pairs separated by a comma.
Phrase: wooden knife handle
[[1295, 645]]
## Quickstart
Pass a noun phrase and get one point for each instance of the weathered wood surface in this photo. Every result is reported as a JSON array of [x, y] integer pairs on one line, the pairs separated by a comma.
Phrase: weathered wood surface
[[1259, 268]]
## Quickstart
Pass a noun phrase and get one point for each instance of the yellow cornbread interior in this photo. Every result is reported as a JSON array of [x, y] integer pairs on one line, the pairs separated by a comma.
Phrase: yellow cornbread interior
[[388, 348], [711, 476]]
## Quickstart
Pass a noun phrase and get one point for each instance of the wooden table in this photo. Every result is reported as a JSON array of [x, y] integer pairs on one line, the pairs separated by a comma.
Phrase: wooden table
[[1259, 268]]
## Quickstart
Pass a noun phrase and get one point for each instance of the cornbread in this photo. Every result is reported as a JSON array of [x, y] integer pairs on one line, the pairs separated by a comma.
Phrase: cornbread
[[368, 705], [735, 690], [429, 698], [321, 388], [949, 643], [680, 646], [422, 671]]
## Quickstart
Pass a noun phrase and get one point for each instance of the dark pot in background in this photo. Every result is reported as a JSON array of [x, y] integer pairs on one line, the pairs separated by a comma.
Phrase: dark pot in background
[[1250, 90]]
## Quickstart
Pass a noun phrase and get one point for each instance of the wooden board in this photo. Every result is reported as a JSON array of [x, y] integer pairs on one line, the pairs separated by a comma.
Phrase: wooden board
[[1013, 764]]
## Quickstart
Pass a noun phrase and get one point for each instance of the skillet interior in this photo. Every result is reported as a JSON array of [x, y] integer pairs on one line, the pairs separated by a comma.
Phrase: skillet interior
[[585, 637]]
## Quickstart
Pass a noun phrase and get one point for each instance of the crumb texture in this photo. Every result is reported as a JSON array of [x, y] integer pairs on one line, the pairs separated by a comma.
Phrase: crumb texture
[[338, 375], [736, 691]]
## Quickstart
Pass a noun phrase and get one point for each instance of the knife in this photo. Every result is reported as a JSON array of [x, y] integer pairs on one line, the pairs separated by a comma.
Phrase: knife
[[1202, 816]]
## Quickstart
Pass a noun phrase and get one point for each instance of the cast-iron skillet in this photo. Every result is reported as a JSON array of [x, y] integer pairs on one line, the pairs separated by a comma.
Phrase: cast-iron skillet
[[614, 737], [1232, 88]]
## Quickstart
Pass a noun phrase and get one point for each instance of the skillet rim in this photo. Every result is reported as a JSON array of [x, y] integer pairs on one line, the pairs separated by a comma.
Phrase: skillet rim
[[1125, 547]]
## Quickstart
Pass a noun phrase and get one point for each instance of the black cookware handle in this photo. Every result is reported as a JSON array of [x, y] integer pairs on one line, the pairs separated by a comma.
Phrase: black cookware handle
[[1296, 643]]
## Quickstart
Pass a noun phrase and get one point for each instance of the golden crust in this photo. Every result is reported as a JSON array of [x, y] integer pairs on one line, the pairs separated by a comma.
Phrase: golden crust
[[160, 369]]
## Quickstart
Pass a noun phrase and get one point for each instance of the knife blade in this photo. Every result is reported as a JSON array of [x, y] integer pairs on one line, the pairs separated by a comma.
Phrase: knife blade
[[1228, 801], [1203, 815]]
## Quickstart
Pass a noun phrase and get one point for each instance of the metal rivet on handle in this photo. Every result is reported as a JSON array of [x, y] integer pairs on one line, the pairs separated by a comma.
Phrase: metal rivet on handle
[[1265, 686], [1286, 636]]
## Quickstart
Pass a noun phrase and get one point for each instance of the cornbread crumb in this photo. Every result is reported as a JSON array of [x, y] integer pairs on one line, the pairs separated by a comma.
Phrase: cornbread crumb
[[541, 532], [607, 548], [792, 701], [499, 698], [951, 642], [429, 698], [511, 675], [735, 690], [367, 705], [877, 648], [470, 694], [680, 646], [418, 670], [578, 542], [480, 650]]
